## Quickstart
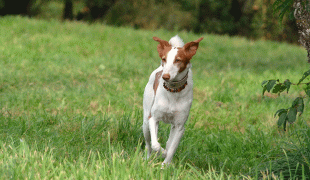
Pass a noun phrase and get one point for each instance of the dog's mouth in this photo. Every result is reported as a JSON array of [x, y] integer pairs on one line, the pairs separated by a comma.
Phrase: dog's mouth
[[172, 82], [174, 87]]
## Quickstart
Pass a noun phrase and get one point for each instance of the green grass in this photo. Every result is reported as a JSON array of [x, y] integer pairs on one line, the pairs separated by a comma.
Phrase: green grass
[[71, 103]]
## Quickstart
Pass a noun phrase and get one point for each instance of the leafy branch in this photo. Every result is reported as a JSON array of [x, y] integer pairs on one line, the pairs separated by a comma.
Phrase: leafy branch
[[288, 115], [282, 7], [301, 10]]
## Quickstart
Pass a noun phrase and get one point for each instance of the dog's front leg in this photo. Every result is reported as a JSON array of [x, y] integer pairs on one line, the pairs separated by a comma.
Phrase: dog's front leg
[[153, 124], [174, 140], [171, 135]]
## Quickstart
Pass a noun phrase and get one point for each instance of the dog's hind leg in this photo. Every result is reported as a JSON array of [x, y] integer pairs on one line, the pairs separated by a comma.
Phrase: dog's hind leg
[[147, 137]]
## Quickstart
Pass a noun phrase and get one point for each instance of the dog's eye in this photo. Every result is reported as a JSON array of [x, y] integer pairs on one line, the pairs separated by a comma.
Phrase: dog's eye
[[177, 60], [164, 59]]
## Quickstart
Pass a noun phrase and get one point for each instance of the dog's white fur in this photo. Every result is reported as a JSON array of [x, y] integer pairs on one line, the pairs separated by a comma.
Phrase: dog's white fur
[[176, 41], [169, 107]]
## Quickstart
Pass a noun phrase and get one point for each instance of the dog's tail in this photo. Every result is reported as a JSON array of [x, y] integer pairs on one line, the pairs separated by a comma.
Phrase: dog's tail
[[176, 41]]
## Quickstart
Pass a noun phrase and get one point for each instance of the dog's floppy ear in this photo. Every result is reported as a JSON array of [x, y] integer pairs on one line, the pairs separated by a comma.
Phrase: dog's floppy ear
[[161, 46], [191, 47]]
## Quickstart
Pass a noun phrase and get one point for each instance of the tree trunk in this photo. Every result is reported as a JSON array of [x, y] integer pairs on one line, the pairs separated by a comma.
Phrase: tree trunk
[[68, 14]]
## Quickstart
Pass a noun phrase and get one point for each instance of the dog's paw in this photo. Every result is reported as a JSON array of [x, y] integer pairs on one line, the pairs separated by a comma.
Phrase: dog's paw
[[164, 165], [156, 147]]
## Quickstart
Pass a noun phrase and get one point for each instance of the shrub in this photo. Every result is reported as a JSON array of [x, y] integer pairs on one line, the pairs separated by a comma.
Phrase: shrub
[[23, 7], [150, 15]]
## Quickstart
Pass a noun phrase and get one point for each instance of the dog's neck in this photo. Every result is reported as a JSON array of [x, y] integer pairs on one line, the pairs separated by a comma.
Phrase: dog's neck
[[177, 85]]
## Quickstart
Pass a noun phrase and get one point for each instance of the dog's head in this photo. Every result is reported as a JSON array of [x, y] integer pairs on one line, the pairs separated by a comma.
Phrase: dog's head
[[175, 57]]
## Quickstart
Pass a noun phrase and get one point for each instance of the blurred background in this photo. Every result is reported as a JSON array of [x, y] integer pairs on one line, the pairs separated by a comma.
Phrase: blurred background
[[253, 19]]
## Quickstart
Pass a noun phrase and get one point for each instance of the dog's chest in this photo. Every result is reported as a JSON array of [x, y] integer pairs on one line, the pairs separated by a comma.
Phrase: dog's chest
[[170, 109], [167, 115]]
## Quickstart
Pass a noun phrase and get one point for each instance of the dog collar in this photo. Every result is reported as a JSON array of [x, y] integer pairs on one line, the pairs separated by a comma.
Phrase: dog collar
[[176, 86]]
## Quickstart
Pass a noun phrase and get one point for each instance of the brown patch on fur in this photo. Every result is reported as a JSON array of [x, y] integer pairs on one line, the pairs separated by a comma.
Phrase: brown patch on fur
[[155, 85], [191, 47], [183, 59], [163, 47], [156, 82], [186, 53]]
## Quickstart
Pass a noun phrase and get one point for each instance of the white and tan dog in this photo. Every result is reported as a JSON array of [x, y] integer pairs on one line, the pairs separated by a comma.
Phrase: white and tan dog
[[168, 95]]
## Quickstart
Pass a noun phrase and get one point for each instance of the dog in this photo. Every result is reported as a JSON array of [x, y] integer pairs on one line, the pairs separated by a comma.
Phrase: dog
[[168, 95]]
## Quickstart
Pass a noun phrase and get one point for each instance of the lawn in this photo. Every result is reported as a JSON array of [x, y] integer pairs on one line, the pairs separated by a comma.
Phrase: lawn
[[71, 103]]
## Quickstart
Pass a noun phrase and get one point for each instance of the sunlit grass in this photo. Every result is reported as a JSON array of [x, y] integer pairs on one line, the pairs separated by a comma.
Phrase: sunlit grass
[[71, 102]]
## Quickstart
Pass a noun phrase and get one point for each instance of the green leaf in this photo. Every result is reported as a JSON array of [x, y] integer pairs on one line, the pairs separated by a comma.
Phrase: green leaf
[[280, 111], [295, 102], [306, 74], [278, 88], [287, 84], [264, 83], [276, 4], [264, 89], [291, 115], [283, 7], [271, 84], [282, 119], [300, 105]]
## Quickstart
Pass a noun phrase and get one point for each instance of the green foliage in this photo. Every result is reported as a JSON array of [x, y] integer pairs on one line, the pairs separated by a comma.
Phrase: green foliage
[[304, 76], [150, 15], [289, 114], [2, 4], [253, 18], [215, 16], [99, 3], [282, 7], [275, 86], [23, 7], [294, 162]]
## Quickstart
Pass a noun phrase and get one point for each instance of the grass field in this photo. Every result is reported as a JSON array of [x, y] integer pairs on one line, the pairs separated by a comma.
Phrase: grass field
[[71, 104]]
